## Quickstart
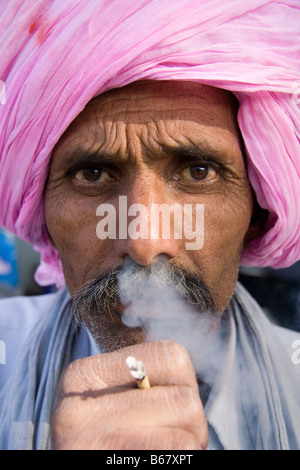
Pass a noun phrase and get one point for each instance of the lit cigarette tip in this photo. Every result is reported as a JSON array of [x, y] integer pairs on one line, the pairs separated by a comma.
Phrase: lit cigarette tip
[[137, 370]]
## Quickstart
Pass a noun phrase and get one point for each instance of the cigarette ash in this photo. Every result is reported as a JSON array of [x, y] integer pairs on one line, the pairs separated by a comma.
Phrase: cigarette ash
[[137, 368]]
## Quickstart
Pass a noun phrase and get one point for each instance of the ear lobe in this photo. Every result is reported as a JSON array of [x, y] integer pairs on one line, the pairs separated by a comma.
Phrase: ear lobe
[[257, 224]]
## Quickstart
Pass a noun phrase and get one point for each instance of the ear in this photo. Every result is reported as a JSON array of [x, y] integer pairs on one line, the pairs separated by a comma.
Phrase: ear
[[257, 224]]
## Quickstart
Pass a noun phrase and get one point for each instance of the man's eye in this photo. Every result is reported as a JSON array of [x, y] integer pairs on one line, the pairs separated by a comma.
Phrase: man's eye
[[93, 175], [198, 173]]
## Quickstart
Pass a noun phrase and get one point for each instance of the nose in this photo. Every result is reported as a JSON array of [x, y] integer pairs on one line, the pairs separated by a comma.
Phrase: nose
[[144, 252], [148, 226]]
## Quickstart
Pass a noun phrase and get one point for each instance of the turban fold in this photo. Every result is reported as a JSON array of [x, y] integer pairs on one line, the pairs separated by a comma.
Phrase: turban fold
[[57, 55]]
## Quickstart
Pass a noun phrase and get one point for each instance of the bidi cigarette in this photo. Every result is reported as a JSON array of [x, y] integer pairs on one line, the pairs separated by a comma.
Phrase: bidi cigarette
[[137, 370]]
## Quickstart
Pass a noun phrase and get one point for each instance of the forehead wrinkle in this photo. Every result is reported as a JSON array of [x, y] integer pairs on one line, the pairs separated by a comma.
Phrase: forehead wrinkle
[[108, 126], [149, 90], [156, 140], [131, 140], [158, 125], [168, 97], [109, 140], [114, 137]]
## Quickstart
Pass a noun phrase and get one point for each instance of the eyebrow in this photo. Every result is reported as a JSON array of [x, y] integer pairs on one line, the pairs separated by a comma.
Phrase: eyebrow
[[81, 157], [192, 152]]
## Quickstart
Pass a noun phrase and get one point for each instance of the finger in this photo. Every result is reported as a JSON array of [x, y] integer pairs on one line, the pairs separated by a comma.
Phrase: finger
[[166, 362], [138, 439], [172, 405], [153, 438]]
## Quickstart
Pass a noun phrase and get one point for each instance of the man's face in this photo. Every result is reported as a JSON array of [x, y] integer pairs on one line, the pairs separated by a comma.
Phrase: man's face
[[155, 143]]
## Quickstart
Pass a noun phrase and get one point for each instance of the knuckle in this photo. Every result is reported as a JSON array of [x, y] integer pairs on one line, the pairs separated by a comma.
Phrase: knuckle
[[184, 398], [180, 439], [193, 418], [176, 349], [69, 376], [192, 404], [176, 353], [79, 377], [188, 441]]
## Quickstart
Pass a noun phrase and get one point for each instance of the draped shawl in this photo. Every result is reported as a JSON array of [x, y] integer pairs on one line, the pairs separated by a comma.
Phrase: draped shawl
[[253, 401]]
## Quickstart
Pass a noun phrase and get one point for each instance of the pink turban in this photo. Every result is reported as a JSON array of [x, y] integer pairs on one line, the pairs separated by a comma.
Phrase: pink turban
[[56, 55]]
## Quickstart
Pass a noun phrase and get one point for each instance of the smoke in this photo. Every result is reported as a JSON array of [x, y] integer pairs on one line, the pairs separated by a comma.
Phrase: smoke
[[168, 303]]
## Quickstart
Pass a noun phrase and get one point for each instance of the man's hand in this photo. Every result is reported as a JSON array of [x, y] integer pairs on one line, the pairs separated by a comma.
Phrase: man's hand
[[100, 407]]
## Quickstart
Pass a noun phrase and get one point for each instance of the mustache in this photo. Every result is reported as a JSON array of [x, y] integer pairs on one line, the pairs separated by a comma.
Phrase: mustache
[[102, 295]]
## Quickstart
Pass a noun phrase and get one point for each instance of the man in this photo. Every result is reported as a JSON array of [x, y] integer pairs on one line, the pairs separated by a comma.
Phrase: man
[[102, 148]]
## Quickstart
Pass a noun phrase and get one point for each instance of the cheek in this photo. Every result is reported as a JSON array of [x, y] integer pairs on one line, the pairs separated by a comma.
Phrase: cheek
[[226, 230], [226, 224], [72, 228]]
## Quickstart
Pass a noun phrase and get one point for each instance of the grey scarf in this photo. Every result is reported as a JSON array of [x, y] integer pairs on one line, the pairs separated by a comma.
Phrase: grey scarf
[[254, 402]]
